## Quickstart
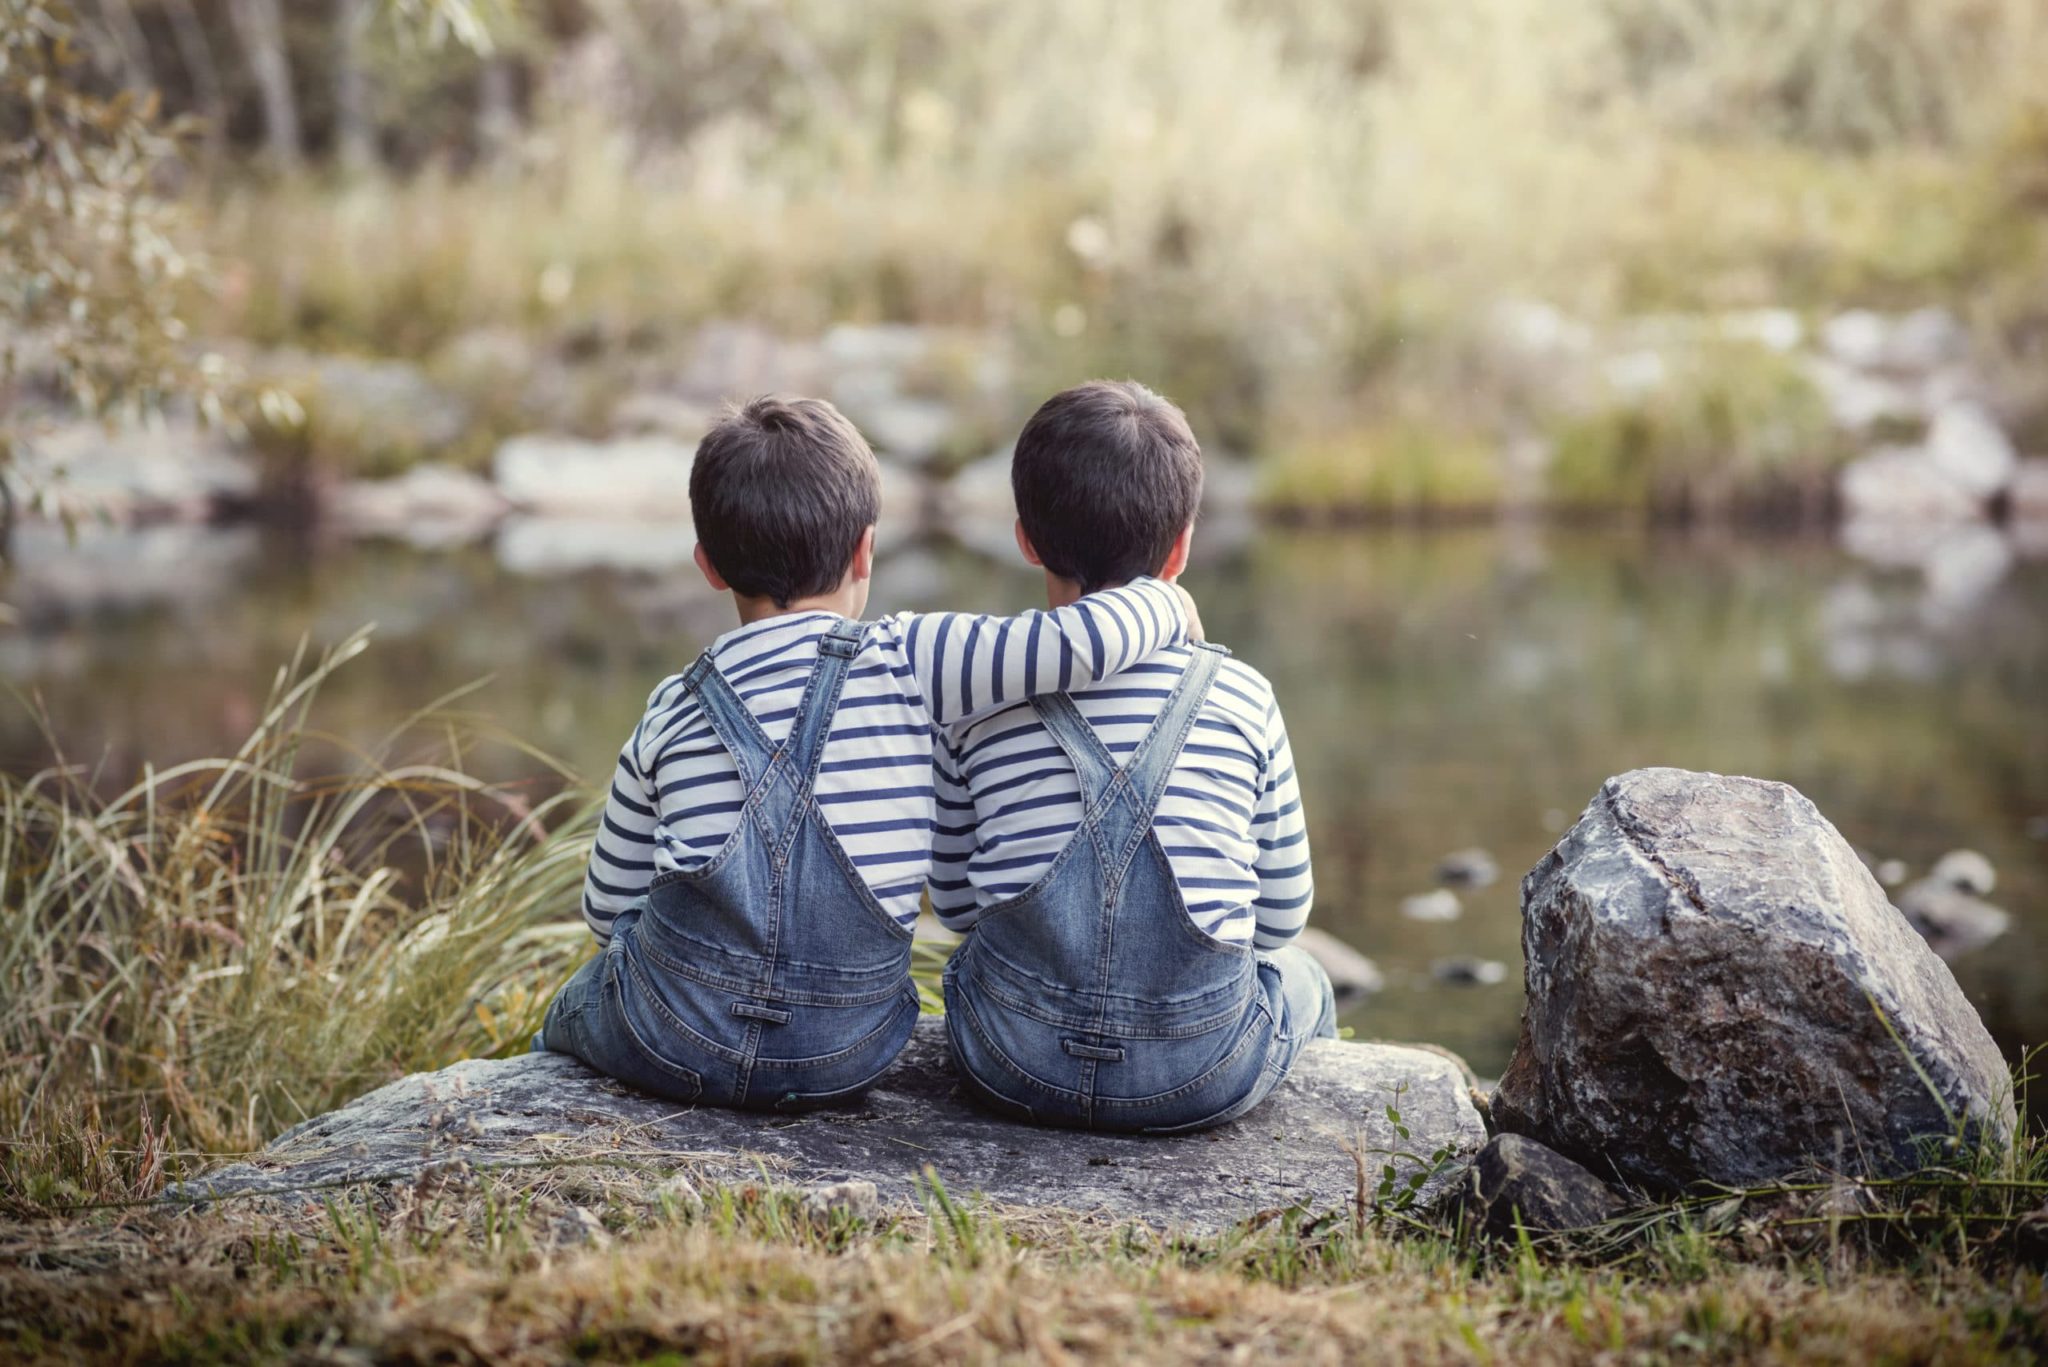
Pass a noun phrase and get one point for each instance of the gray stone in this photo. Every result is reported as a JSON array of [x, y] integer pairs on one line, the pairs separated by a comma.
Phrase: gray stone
[[1463, 970], [1966, 870], [1902, 484], [544, 545], [1517, 1183], [1966, 444], [1916, 341], [378, 405], [428, 506], [1352, 975], [644, 478], [1471, 868], [1438, 904], [161, 471], [1292, 1149], [1719, 991], [1950, 918], [1855, 399]]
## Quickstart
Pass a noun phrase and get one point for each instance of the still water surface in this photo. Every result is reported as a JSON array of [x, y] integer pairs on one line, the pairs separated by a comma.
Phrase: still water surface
[[1444, 689]]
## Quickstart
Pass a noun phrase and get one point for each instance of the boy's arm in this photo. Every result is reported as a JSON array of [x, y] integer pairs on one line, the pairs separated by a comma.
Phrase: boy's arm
[[622, 860], [965, 663], [952, 841], [1286, 885]]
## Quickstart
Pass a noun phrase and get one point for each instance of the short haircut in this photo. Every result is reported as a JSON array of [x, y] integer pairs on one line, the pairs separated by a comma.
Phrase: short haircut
[[1106, 475], [780, 493]]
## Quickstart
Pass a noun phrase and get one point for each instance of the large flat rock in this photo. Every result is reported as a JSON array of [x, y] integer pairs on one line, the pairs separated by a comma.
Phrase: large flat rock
[[1295, 1148]]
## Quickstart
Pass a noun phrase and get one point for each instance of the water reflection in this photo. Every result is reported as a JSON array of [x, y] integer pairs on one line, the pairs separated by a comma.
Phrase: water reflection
[[1447, 691]]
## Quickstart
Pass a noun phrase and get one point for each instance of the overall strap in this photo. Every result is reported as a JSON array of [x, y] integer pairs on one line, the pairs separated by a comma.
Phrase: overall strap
[[737, 731], [813, 721], [1150, 767], [1093, 765]]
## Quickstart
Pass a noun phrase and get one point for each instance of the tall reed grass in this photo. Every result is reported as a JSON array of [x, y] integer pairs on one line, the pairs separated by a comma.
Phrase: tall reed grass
[[228, 946]]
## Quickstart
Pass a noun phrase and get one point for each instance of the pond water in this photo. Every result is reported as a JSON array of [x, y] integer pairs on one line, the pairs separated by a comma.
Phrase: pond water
[[1444, 689]]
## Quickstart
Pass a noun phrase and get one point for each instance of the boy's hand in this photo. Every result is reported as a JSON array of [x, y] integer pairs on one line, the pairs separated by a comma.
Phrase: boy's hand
[[1187, 602]]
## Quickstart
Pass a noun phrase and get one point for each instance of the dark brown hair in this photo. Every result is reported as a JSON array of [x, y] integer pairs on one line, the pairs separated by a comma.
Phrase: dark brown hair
[[780, 493], [1106, 475]]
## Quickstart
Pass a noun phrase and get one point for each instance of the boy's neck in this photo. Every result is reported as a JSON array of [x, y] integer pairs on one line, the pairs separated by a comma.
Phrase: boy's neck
[[847, 601], [1060, 593]]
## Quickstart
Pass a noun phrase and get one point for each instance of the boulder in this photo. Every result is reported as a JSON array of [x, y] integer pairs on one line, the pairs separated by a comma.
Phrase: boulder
[[1294, 1148], [628, 478], [1966, 444], [428, 506], [1719, 991], [169, 470], [1903, 484], [1517, 1183]]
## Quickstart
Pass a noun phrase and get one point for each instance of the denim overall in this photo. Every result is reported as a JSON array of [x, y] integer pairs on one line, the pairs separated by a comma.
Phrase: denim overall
[[768, 978], [1091, 999]]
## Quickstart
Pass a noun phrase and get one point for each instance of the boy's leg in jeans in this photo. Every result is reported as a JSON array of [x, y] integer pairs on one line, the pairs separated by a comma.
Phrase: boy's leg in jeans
[[1309, 1003], [572, 1015]]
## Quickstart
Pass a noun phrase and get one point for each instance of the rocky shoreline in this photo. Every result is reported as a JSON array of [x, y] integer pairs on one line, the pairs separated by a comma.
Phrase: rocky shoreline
[[1719, 994]]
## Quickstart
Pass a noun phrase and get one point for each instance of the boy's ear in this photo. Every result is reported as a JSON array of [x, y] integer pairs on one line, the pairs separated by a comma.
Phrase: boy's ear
[[709, 570], [1024, 545], [1177, 558], [863, 566]]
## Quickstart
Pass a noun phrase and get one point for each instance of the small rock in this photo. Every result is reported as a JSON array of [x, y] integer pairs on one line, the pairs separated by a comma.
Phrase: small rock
[[1440, 904], [1464, 971], [1966, 444], [1516, 1183], [1901, 484], [1352, 975], [1891, 872], [1918, 341], [1470, 868], [858, 1198], [1966, 870], [1951, 919]]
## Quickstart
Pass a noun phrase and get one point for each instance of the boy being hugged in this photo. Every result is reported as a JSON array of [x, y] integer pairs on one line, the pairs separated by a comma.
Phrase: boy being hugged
[[770, 825], [1127, 858]]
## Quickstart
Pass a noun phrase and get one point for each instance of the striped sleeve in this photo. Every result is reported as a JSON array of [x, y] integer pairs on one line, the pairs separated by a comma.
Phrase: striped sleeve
[[1286, 884], [964, 663], [953, 840], [622, 859]]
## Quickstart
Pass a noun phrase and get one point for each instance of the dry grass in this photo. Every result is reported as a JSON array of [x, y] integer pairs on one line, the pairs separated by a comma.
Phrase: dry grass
[[566, 1270], [229, 946]]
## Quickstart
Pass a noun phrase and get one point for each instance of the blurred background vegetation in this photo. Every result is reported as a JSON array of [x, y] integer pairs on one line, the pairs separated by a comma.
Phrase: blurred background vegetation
[[1303, 218]]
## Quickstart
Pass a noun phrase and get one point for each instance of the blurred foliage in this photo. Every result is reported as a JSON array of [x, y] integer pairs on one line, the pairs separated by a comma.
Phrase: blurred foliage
[[1739, 428], [89, 263]]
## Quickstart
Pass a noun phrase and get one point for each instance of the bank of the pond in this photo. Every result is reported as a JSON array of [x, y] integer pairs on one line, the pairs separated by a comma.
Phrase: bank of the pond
[[1763, 415]]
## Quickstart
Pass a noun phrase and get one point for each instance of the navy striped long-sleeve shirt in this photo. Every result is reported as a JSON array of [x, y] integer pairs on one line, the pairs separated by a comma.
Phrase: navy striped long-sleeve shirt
[[1230, 821], [676, 793]]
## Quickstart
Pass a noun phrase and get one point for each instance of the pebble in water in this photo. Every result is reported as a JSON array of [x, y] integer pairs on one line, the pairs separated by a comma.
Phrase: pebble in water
[[1440, 905], [1470, 868], [1464, 971], [1965, 870], [1951, 918], [1352, 975]]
